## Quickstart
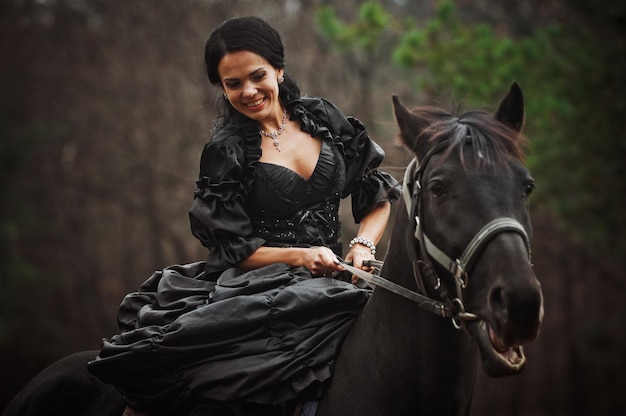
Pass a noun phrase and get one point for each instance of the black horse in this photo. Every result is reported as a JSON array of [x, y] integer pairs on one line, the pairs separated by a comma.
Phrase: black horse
[[460, 283], [463, 239]]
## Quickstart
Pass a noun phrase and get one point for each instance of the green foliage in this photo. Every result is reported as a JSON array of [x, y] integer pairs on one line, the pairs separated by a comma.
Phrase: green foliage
[[571, 78], [455, 59], [583, 155], [367, 32], [362, 43]]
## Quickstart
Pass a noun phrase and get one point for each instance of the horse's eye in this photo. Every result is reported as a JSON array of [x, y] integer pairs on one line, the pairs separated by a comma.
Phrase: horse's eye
[[437, 189], [530, 187]]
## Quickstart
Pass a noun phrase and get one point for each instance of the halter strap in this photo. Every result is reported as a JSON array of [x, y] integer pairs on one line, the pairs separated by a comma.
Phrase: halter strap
[[460, 266], [407, 193]]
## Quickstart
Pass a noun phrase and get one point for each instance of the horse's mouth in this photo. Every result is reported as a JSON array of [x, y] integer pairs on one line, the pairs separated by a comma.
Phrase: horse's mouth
[[498, 360]]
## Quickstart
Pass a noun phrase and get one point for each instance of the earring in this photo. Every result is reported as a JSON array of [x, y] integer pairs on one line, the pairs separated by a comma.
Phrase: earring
[[281, 79], [225, 96]]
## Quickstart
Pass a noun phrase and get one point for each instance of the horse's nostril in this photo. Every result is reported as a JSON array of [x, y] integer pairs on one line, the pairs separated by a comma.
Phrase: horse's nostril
[[498, 303]]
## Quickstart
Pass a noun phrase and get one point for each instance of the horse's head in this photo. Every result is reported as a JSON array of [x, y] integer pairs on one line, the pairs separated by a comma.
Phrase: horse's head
[[470, 194]]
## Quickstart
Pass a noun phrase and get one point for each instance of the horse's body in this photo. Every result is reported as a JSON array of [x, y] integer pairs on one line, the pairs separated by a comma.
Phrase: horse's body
[[67, 388], [400, 358]]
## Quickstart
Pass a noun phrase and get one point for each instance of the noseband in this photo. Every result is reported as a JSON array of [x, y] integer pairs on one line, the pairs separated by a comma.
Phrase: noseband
[[448, 306]]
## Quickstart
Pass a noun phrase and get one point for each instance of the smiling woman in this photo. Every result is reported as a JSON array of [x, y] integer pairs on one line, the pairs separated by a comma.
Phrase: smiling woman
[[260, 321]]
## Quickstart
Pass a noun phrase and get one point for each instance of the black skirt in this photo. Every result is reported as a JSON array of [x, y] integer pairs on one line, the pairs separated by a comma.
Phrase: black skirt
[[266, 336]]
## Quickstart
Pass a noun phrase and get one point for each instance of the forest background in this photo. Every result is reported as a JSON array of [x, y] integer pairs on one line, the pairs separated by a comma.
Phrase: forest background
[[105, 107]]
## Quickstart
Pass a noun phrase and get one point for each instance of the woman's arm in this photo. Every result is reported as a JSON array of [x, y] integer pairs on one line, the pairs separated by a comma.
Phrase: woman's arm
[[372, 228], [321, 260]]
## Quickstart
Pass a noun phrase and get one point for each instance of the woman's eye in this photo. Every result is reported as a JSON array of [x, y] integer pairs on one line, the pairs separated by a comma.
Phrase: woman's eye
[[258, 77]]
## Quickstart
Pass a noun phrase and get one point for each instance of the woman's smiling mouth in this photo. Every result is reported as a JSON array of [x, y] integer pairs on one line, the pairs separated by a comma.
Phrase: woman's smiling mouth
[[256, 103]]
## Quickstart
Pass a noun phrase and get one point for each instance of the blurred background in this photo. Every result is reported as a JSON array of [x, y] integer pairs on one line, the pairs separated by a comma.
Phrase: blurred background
[[105, 108]]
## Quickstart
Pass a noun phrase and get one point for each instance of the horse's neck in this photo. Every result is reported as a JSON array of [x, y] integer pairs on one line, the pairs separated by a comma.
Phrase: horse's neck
[[398, 357], [399, 360]]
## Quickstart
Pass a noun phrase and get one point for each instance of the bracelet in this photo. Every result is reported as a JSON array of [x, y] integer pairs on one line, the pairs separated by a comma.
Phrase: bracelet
[[363, 241]]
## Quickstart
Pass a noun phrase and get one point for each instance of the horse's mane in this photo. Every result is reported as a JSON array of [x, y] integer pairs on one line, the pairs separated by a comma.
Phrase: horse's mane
[[491, 140]]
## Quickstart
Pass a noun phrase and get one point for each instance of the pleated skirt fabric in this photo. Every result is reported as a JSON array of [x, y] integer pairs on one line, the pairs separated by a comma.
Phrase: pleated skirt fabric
[[266, 336]]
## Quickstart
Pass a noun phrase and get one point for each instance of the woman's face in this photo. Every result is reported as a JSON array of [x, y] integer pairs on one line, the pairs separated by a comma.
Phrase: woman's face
[[251, 85]]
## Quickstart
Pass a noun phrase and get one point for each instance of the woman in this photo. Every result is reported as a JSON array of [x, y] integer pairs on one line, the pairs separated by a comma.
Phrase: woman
[[261, 320]]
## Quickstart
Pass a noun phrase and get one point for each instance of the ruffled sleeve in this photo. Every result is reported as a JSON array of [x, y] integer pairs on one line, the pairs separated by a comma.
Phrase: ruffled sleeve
[[367, 185], [218, 216]]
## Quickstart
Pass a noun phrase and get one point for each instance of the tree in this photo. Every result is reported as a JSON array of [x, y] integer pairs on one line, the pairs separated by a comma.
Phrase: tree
[[363, 44], [568, 73]]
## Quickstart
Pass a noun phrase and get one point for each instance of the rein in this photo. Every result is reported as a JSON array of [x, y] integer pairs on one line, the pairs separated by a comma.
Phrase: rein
[[447, 307], [423, 301]]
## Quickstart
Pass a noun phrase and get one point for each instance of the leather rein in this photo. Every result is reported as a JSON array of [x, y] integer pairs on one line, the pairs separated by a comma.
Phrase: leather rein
[[448, 305]]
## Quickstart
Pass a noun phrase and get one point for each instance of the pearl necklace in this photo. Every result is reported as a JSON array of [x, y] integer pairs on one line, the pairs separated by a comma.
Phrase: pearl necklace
[[274, 135]]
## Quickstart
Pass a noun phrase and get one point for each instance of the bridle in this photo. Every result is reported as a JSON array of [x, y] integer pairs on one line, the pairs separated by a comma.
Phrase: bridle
[[449, 304]]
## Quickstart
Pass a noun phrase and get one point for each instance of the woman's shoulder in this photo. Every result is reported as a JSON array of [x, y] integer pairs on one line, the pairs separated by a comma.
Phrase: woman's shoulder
[[226, 136], [326, 113], [231, 147], [234, 137], [320, 106]]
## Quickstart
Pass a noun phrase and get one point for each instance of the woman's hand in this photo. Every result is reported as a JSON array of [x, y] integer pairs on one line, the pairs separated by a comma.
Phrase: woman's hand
[[357, 255], [321, 261]]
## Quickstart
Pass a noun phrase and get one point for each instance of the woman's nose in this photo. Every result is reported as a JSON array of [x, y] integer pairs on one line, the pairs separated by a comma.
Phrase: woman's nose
[[249, 89]]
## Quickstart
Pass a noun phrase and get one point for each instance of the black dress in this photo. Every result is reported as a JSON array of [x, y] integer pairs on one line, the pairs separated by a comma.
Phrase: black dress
[[208, 331]]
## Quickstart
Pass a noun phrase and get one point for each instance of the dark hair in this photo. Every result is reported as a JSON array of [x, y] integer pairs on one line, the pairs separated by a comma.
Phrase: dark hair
[[254, 35]]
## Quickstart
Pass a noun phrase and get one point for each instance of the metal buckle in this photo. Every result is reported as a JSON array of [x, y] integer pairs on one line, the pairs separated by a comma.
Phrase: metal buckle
[[460, 273]]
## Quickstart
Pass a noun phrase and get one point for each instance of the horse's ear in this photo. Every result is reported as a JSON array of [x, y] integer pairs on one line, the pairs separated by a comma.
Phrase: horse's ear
[[409, 123], [511, 110]]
